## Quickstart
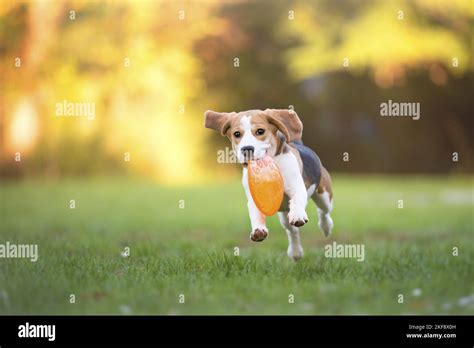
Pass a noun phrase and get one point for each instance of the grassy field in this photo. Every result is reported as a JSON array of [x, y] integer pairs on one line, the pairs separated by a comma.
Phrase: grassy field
[[190, 251]]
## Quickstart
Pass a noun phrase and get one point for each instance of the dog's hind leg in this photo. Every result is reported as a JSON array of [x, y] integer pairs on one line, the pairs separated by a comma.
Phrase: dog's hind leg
[[323, 199], [295, 250]]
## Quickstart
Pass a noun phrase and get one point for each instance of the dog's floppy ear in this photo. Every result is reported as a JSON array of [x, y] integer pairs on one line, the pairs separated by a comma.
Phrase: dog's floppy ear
[[287, 121], [219, 121]]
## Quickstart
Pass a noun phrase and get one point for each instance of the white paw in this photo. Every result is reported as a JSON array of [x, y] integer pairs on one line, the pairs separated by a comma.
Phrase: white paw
[[326, 224], [259, 234], [295, 252], [297, 217]]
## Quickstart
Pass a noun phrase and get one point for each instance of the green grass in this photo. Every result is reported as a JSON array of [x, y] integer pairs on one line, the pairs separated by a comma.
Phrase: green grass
[[190, 251]]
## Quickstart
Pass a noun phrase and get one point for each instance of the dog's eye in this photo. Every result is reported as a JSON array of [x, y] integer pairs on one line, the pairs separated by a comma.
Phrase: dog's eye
[[260, 131], [237, 134]]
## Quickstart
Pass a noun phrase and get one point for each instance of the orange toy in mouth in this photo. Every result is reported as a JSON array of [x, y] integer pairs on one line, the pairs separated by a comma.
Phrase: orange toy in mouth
[[266, 185]]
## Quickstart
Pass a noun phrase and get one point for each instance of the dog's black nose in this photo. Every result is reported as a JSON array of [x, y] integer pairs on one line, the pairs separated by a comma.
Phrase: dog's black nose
[[247, 151]]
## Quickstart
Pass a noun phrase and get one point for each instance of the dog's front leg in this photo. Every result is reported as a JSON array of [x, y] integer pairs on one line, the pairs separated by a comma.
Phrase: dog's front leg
[[295, 189], [257, 219]]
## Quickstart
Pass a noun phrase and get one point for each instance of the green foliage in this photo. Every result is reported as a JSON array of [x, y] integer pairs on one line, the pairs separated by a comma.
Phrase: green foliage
[[152, 75], [379, 35]]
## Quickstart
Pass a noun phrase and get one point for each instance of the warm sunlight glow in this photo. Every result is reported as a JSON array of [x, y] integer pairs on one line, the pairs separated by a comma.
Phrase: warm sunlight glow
[[23, 130]]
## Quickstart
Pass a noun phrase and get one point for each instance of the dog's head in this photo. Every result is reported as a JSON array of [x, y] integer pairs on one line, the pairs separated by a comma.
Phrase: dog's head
[[256, 133]]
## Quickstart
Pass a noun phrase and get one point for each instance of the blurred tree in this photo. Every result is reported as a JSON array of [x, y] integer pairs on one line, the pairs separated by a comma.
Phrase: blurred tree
[[337, 61], [133, 61], [152, 68]]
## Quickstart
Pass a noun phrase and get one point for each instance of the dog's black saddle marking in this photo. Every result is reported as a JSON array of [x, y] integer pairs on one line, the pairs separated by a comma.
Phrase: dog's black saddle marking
[[311, 163]]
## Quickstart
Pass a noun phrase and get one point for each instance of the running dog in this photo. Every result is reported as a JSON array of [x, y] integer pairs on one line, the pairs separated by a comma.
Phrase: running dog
[[278, 133]]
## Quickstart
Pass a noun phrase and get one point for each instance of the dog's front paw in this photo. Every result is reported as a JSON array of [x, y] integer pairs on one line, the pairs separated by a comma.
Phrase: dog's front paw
[[297, 218], [259, 234]]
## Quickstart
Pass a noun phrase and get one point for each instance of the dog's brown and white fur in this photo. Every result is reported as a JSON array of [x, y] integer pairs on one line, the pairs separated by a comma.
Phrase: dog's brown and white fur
[[256, 133]]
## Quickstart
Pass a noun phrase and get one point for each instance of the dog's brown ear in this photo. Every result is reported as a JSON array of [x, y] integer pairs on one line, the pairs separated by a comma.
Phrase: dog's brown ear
[[287, 121], [219, 121]]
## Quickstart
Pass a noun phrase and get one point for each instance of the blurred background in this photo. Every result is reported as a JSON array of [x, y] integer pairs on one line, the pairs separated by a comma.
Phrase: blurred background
[[140, 171], [152, 68]]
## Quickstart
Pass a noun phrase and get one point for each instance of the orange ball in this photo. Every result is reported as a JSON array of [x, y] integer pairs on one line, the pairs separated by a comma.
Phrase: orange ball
[[266, 185]]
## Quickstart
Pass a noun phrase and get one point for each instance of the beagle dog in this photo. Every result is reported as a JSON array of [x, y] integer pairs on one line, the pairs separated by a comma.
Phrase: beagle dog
[[277, 133]]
